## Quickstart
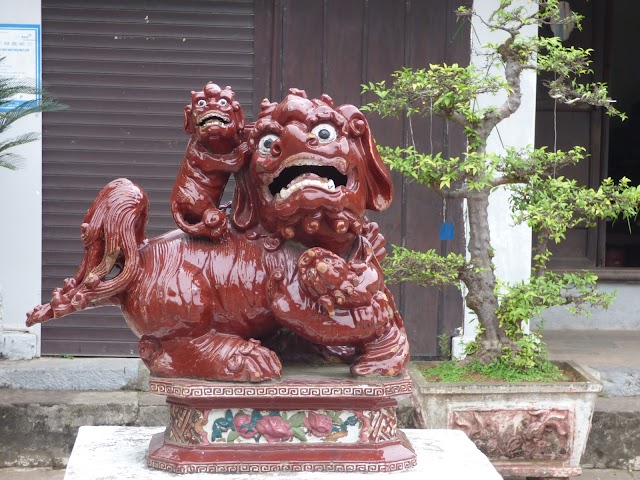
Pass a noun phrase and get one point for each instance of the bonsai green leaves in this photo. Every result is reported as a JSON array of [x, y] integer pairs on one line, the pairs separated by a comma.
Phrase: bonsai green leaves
[[541, 196]]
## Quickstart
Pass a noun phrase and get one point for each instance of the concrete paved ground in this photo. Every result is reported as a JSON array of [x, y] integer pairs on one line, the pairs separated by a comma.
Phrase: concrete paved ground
[[592, 474], [47, 474], [614, 354], [609, 475], [31, 474], [595, 347]]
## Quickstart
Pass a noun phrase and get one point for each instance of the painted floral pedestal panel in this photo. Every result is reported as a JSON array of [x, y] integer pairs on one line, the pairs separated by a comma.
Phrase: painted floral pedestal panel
[[313, 419]]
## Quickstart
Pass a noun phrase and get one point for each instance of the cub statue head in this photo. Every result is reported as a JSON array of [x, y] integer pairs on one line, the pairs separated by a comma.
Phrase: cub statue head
[[314, 171], [214, 118]]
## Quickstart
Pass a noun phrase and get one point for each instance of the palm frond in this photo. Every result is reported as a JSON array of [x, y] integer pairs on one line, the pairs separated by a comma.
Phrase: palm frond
[[17, 141], [10, 161], [9, 88], [27, 108]]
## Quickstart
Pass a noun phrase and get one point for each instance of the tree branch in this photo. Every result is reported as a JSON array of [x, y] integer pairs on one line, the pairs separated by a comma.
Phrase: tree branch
[[512, 70], [509, 180], [461, 192]]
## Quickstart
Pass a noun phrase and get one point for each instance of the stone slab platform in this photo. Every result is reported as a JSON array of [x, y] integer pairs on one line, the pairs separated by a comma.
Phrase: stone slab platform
[[110, 453], [49, 474]]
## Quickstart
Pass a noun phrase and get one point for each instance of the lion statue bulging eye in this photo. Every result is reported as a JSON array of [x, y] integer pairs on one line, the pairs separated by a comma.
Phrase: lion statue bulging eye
[[325, 132], [201, 103], [223, 102], [264, 145]]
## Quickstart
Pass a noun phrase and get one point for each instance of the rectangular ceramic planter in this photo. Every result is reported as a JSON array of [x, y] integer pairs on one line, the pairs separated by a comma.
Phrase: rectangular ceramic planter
[[526, 429]]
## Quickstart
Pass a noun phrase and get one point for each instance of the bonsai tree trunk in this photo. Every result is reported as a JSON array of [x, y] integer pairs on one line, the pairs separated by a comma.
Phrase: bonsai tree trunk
[[480, 279]]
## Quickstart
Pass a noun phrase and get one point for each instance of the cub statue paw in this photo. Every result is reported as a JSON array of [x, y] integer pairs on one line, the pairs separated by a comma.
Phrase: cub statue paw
[[334, 282]]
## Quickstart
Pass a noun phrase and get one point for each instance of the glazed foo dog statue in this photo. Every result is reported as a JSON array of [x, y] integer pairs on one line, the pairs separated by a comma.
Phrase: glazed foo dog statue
[[296, 252]]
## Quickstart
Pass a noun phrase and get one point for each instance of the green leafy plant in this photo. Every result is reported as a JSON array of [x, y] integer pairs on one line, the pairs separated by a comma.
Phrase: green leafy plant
[[542, 198], [9, 114], [444, 346]]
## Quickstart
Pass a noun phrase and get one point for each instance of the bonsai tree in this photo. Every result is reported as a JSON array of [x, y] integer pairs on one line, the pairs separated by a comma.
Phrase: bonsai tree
[[10, 113], [541, 197]]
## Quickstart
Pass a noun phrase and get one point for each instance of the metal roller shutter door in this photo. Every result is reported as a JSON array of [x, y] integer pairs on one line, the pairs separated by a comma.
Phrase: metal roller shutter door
[[125, 69]]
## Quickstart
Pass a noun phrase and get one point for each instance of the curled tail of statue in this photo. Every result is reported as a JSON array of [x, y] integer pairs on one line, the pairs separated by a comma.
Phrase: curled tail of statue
[[112, 232]]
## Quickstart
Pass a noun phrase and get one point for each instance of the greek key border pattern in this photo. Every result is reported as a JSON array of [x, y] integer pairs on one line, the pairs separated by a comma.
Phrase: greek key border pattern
[[167, 387], [289, 467]]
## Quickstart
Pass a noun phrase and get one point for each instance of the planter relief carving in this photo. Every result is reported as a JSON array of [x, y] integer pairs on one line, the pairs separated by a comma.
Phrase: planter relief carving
[[518, 434]]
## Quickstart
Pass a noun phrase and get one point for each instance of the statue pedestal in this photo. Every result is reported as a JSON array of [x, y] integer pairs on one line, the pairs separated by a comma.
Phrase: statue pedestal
[[314, 419]]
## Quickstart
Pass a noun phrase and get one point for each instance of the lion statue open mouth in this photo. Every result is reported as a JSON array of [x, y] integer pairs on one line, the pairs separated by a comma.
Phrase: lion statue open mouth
[[298, 254], [314, 171]]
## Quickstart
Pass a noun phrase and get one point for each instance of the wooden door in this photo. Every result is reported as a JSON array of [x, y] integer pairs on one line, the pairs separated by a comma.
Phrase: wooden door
[[334, 46]]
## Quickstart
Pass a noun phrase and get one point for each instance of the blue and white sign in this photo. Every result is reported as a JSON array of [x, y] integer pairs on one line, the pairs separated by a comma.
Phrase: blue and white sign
[[20, 48]]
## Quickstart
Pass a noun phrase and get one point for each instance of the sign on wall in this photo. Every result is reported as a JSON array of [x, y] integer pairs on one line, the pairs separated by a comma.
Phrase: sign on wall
[[20, 49]]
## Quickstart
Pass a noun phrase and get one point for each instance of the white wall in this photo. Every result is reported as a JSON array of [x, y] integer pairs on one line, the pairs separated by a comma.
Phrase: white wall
[[622, 315], [512, 244], [21, 220]]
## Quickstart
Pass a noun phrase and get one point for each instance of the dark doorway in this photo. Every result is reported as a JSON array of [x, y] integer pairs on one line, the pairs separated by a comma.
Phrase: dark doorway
[[611, 248], [622, 237]]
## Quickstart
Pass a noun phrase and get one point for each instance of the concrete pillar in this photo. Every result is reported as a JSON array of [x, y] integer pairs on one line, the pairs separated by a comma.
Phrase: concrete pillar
[[21, 208], [512, 244]]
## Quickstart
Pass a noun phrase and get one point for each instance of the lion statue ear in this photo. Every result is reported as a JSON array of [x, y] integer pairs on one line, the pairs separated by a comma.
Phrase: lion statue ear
[[379, 183], [244, 204], [237, 108], [188, 126]]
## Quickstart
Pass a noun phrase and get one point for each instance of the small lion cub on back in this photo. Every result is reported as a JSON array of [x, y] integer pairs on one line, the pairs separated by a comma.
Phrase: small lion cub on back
[[215, 121]]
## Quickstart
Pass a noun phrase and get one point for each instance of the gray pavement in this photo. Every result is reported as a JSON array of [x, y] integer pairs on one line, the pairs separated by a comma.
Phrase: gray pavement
[[609, 475], [594, 474], [30, 474], [613, 354], [596, 348]]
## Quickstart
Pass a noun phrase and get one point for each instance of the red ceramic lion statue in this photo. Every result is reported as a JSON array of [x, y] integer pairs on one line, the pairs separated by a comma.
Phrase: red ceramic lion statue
[[299, 255]]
